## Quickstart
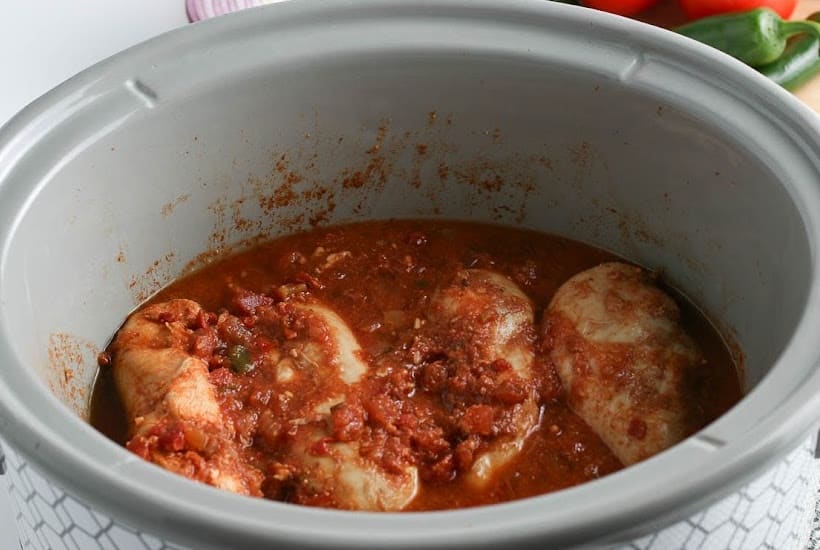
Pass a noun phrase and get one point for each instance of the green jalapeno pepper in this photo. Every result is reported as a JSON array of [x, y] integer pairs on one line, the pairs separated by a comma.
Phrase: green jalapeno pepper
[[800, 61], [240, 358], [756, 37]]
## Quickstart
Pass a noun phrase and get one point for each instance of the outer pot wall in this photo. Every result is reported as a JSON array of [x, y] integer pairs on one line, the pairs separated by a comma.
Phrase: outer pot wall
[[529, 113], [776, 511]]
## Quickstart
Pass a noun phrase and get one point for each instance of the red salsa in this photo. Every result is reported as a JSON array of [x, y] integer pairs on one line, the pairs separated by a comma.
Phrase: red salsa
[[435, 414]]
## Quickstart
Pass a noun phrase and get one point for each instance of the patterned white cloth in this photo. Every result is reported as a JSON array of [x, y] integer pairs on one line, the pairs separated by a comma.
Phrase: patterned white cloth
[[775, 512]]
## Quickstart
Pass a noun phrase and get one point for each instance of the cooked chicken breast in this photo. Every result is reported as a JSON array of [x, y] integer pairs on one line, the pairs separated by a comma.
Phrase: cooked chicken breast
[[624, 359], [491, 320], [176, 420], [174, 417], [333, 473]]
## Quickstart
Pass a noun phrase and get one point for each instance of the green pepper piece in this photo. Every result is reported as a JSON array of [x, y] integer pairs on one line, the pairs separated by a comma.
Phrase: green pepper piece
[[800, 61], [240, 359], [756, 37]]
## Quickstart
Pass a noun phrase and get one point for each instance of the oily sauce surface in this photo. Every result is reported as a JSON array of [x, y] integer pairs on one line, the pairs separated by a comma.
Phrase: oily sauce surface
[[379, 277]]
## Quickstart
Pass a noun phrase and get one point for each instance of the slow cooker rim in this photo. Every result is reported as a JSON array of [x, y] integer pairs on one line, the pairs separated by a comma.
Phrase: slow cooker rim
[[19, 437]]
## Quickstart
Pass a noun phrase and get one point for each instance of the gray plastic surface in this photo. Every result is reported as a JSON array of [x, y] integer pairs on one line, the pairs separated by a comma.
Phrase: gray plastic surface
[[600, 128]]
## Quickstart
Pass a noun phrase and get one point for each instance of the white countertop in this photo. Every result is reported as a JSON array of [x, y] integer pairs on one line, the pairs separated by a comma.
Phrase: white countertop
[[44, 42]]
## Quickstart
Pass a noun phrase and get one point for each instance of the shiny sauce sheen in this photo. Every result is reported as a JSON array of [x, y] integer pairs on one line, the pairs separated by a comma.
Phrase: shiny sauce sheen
[[380, 276]]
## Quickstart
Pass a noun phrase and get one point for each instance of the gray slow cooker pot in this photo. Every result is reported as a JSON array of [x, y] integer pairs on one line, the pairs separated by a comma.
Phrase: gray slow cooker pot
[[521, 112]]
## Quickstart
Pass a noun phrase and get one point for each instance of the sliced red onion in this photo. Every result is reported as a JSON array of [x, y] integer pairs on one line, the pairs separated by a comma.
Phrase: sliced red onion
[[205, 9]]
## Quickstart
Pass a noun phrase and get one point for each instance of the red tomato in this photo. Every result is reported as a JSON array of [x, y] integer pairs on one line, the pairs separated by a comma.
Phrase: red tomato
[[620, 7], [695, 9]]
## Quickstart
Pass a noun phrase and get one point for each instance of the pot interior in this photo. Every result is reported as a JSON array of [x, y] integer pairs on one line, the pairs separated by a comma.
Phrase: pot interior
[[118, 215]]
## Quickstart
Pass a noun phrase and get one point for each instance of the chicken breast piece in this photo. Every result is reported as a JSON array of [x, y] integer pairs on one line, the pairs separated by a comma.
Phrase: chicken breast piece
[[174, 417], [333, 473], [494, 319], [625, 361], [328, 343]]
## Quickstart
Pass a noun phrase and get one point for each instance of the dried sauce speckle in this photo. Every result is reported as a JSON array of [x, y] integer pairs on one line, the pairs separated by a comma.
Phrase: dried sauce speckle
[[581, 155], [169, 208], [298, 192], [443, 171], [69, 357], [157, 275], [374, 170]]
